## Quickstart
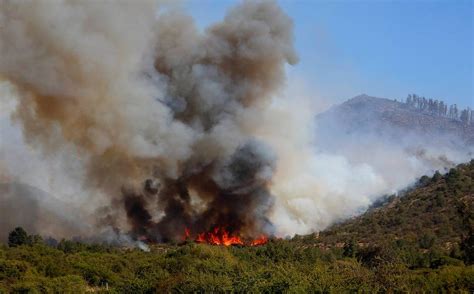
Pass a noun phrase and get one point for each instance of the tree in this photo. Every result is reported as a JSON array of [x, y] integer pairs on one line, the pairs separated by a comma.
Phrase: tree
[[436, 107], [426, 241], [437, 176], [35, 239], [467, 245], [466, 116], [18, 237], [441, 109], [431, 105], [350, 249]]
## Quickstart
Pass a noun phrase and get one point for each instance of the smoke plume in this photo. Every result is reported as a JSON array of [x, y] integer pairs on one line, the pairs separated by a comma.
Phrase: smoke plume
[[152, 106], [147, 125]]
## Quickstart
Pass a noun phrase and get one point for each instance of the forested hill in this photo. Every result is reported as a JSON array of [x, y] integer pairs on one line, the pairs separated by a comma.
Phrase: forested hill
[[437, 213], [417, 116]]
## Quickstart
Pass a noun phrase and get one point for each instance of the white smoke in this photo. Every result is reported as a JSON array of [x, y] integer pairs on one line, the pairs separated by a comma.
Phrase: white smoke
[[324, 179]]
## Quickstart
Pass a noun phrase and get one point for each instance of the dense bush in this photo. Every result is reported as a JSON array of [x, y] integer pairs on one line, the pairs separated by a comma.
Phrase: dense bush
[[279, 266]]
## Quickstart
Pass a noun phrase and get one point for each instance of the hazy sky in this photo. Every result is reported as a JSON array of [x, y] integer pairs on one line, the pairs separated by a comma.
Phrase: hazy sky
[[381, 48]]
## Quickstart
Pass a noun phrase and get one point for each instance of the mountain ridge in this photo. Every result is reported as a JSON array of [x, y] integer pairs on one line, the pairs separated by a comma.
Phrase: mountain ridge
[[364, 112]]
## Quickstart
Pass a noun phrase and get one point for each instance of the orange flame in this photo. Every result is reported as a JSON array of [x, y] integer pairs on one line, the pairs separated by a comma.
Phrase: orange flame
[[220, 236], [186, 234], [260, 241]]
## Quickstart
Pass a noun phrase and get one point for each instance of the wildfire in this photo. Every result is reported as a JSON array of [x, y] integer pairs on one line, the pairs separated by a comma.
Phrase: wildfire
[[221, 236], [260, 241]]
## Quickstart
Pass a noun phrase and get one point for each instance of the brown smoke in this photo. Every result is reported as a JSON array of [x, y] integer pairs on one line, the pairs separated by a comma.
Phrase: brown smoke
[[153, 106]]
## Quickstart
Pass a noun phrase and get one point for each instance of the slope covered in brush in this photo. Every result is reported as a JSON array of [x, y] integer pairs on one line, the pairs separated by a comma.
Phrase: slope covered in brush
[[437, 211]]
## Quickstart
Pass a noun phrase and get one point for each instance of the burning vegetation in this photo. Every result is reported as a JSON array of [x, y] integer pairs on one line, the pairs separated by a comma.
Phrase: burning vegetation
[[222, 236]]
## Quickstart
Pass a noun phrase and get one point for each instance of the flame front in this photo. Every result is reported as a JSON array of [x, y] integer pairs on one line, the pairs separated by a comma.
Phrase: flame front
[[260, 241], [221, 236]]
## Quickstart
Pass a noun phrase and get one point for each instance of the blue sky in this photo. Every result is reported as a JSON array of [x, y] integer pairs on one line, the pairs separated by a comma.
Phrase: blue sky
[[381, 48]]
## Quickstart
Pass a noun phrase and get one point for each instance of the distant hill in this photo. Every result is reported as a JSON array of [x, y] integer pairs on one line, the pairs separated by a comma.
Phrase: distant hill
[[399, 142], [437, 212], [387, 117]]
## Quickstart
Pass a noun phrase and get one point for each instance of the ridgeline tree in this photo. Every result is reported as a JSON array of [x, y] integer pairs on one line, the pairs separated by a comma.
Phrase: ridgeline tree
[[440, 108]]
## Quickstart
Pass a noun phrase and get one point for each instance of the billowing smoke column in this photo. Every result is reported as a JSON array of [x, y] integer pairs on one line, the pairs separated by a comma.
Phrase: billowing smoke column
[[156, 110]]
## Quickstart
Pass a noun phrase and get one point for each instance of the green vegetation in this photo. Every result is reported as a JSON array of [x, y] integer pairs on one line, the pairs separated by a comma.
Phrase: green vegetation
[[437, 213], [19, 237], [421, 242], [279, 266]]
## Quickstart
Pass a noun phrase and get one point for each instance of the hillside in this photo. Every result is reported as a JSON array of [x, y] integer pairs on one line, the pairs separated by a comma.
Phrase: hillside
[[364, 113], [386, 117], [419, 242], [396, 142], [437, 212]]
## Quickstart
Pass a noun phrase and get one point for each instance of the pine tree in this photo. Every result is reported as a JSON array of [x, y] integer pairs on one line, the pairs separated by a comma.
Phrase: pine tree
[[436, 107], [441, 108], [456, 113], [18, 237]]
